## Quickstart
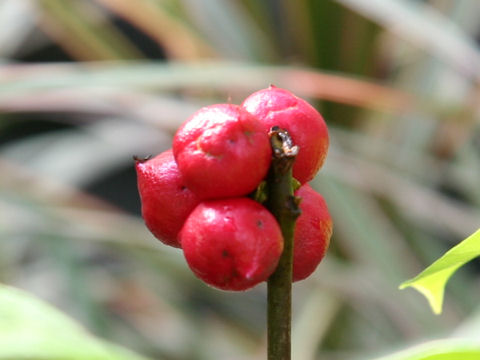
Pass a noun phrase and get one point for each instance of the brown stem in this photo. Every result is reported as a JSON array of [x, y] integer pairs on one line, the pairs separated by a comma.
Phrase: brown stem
[[284, 206]]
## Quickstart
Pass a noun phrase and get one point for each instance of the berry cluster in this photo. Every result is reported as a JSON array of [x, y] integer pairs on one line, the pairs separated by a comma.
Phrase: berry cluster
[[196, 196]]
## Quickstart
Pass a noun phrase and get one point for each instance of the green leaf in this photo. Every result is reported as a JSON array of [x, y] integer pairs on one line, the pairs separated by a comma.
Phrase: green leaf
[[445, 349], [431, 281], [31, 329]]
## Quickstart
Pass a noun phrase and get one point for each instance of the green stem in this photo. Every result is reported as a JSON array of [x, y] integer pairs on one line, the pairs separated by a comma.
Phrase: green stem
[[284, 206]]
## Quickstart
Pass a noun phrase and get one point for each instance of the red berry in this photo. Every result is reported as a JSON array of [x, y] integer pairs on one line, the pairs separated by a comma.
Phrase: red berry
[[222, 151], [312, 233], [166, 201], [276, 106], [232, 244]]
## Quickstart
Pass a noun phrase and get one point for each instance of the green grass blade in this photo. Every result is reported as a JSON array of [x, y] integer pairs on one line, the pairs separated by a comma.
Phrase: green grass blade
[[69, 24], [423, 25], [228, 76], [431, 282]]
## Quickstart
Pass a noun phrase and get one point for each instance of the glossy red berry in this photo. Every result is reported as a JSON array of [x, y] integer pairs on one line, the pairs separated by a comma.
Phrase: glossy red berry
[[232, 244], [312, 233], [166, 201], [276, 106], [222, 151]]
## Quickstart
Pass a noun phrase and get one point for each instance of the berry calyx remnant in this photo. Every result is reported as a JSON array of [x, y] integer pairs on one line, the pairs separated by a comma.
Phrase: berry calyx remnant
[[231, 244], [222, 151], [278, 107], [166, 201]]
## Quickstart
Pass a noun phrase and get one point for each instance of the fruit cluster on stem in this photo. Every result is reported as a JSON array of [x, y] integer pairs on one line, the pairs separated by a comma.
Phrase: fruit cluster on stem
[[233, 194]]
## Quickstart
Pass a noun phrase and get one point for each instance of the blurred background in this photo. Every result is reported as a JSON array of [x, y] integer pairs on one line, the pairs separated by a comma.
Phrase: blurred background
[[86, 84]]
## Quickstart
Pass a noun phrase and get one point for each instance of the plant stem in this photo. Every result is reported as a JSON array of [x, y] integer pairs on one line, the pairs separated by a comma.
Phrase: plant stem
[[284, 206]]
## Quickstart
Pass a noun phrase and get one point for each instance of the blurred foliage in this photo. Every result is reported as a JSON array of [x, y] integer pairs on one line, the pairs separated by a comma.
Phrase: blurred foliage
[[22, 338], [85, 84]]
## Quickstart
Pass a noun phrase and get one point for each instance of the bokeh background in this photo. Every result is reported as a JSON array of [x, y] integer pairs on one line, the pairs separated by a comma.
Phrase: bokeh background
[[86, 84]]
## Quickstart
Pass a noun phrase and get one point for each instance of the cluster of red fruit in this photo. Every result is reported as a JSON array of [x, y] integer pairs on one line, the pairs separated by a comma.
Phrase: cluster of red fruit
[[195, 196]]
